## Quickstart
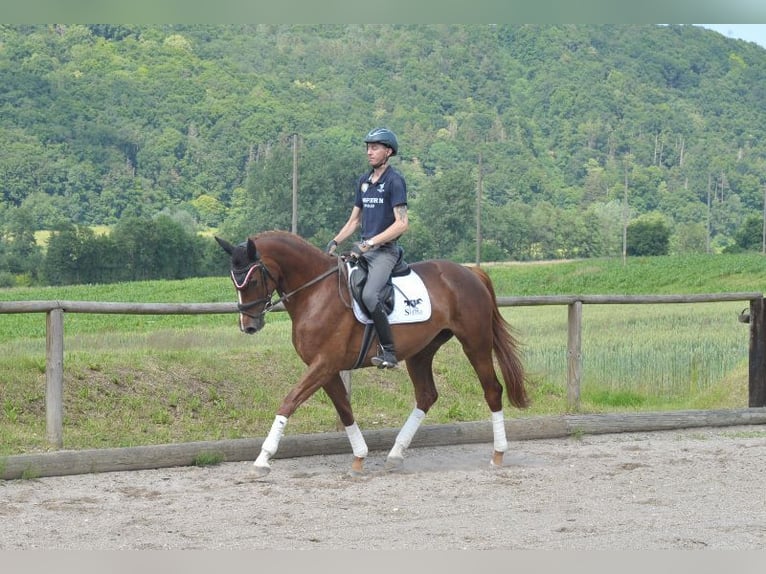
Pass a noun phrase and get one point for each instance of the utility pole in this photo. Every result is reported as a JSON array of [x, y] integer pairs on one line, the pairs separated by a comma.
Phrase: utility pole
[[478, 215], [763, 229], [625, 219], [295, 184], [709, 213]]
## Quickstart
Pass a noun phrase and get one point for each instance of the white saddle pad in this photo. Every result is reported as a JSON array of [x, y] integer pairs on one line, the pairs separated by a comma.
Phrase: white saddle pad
[[411, 301]]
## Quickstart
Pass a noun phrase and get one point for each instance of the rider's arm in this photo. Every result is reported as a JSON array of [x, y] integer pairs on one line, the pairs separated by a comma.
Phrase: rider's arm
[[354, 220], [397, 228]]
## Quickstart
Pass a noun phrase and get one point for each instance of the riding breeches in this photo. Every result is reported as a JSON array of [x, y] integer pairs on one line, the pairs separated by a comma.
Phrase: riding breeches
[[380, 263]]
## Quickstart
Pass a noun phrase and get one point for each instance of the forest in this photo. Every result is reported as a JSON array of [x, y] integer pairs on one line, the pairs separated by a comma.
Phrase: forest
[[541, 141]]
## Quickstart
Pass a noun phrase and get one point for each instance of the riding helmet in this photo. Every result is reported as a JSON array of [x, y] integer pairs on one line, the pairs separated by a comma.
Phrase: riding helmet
[[383, 136]]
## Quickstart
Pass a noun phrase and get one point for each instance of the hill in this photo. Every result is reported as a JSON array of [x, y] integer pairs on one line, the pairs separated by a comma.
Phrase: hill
[[567, 122]]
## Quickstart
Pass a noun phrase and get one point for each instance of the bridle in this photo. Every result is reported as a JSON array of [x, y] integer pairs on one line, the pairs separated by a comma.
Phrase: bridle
[[268, 305], [247, 276]]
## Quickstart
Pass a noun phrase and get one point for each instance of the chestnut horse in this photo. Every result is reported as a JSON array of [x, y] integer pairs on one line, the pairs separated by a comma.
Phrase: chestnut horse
[[328, 337]]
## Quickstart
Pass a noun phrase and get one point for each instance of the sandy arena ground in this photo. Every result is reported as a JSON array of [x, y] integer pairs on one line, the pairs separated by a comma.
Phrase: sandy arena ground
[[685, 489]]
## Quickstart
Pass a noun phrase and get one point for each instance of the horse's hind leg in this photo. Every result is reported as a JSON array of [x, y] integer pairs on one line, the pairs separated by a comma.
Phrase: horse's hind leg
[[420, 369], [481, 360], [338, 394]]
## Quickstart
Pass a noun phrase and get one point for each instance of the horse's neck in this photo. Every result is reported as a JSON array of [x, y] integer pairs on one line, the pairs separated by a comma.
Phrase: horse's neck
[[297, 266]]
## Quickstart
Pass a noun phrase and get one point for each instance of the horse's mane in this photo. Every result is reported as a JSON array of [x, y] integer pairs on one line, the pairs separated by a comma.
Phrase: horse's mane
[[286, 238]]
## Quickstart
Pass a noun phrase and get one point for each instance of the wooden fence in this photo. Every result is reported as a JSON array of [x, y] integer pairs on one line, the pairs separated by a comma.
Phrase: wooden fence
[[56, 310]]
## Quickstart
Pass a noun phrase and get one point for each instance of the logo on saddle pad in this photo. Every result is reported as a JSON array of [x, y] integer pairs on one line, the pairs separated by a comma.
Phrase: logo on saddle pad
[[415, 308], [412, 303]]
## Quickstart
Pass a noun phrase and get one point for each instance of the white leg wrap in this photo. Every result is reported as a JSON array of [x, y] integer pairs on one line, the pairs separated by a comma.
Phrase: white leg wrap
[[498, 431], [358, 444], [404, 438], [271, 444], [263, 459]]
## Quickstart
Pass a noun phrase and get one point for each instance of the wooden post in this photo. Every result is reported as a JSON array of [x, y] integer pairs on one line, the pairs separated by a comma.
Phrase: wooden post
[[574, 355], [345, 376], [757, 379], [54, 377]]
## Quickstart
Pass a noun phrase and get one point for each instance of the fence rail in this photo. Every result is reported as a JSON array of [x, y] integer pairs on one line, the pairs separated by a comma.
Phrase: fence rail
[[56, 309]]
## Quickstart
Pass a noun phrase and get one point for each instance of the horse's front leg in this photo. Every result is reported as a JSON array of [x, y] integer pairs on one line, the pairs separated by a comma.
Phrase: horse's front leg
[[308, 385], [261, 466]]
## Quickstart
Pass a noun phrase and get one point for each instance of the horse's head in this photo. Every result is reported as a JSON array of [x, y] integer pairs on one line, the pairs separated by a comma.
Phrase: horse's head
[[251, 279]]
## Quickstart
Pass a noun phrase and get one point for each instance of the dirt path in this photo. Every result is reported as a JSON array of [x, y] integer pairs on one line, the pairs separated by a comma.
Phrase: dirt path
[[700, 488]]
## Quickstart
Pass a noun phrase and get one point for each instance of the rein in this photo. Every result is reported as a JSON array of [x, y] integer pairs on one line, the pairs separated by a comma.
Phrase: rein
[[268, 304]]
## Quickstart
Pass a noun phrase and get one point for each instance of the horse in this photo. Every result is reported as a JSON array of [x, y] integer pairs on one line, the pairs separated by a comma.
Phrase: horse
[[328, 337]]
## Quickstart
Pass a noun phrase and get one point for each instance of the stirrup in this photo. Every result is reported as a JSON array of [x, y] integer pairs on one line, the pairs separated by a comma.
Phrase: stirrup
[[386, 360]]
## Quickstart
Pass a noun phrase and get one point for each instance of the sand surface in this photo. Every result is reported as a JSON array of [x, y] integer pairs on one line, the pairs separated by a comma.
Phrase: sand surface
[[685, 489]]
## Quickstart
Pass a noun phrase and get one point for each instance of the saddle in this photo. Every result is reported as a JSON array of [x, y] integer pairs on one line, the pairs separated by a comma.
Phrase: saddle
[[357, 277], [404, 296]]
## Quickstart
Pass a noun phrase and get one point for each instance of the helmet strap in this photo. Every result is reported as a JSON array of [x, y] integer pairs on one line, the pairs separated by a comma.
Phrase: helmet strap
[[381, 167]]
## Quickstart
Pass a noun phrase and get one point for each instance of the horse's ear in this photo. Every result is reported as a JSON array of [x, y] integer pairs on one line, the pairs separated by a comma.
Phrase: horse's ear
[[225, 245], [252, 252]]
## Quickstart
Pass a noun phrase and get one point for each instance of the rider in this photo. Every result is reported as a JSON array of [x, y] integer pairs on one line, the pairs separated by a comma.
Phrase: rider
[[380, 207]]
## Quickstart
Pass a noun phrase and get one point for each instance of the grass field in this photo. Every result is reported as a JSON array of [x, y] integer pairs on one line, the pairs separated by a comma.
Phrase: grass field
[[135, 379]]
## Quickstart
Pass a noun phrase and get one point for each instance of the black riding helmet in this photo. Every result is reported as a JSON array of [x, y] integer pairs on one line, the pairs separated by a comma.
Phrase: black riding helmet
[[383, 136]]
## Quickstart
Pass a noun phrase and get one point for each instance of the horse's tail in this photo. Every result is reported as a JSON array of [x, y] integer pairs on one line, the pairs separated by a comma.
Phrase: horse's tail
[[505, 347]]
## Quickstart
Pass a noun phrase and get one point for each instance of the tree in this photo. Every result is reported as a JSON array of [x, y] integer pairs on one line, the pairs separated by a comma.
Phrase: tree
[[749, 237], [22, 254], [509, 227], [648, 234], [270, 191], [446, 209], [76, 256], [689, 238], [211, 211], [329, 166]]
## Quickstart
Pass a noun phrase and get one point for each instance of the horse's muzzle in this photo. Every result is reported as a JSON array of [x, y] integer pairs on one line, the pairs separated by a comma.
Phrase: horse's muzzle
[[251, 325]]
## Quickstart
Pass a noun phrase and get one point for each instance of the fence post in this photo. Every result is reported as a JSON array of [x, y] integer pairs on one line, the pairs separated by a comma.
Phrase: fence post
[[574, 355], [54, 377], [757, 378], [345, 376]]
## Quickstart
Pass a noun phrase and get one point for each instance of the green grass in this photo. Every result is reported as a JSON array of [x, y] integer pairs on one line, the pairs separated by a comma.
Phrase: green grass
[[208, 459], [641, 275], [135, 379], [637, 356]]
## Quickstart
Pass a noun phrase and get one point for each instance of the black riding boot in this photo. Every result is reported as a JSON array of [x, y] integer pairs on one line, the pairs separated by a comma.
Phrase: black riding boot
[[386, 359]]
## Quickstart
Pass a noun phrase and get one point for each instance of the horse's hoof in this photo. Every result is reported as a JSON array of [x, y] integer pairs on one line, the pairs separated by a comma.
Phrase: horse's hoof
[[356, 474], [497, 460], [253, 474], [357, 466], [258, 472], [394, 463]]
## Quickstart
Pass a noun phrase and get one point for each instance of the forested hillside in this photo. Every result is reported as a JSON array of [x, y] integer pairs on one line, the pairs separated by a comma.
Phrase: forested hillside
[[104, 123]]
